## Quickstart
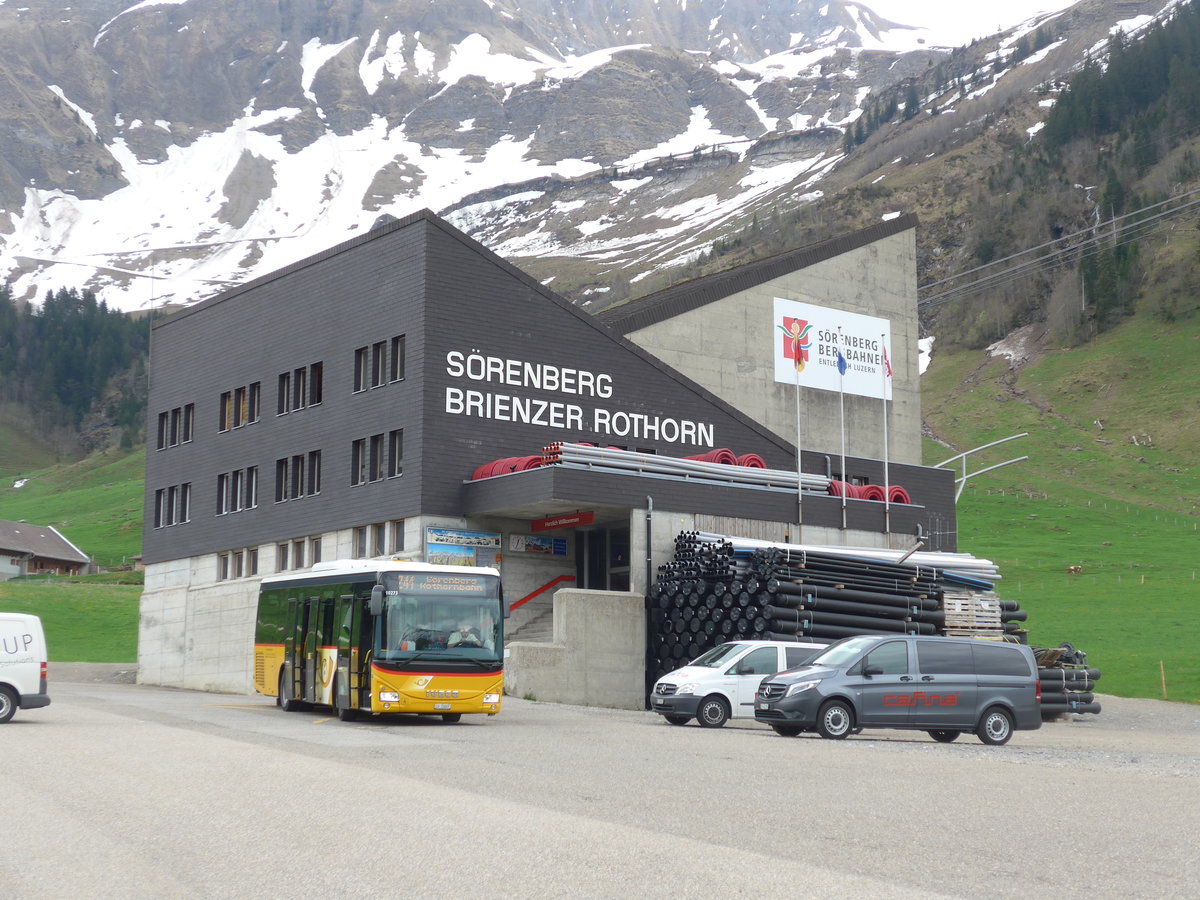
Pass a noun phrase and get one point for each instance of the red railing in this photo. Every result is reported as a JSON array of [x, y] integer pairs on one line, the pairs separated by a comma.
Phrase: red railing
[[545, 587]]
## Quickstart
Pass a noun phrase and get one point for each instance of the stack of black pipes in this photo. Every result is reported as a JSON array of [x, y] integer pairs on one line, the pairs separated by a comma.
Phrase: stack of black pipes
[[712, 591], [1067, 683]]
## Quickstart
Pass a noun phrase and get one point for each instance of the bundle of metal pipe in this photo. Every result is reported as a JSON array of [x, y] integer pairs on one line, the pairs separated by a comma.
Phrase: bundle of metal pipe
[[749, 472]]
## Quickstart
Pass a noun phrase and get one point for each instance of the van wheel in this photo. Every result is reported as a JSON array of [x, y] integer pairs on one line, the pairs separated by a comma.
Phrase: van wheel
[[945, 737], [713, 711], [678, 720], [787, 730], [835, 720], [283, 699], [8, 703], [996, 726]]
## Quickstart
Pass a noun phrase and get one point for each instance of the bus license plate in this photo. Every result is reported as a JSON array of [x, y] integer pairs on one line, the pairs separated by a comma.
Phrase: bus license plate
[[441, 706]]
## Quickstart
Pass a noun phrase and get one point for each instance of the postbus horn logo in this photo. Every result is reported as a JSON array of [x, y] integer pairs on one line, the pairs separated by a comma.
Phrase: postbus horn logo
[[796, 343]]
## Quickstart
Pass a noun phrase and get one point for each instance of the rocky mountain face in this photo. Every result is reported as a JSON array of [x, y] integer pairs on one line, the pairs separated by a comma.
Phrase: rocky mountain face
[[206, 141]]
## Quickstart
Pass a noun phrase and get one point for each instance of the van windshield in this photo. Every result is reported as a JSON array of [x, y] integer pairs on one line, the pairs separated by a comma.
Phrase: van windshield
[[844, 651], [718, 655]]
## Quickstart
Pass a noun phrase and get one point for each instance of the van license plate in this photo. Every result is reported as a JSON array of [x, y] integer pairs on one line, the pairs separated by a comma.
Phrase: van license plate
[[441, 706]]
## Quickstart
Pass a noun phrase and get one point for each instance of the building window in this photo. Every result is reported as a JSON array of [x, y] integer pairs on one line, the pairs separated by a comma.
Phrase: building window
[[185, 502], [163, 431], [314, 547], [298, 554], [281, 479], [222, 493], [378, 363], [226, 411], [395, 458], [398, 536], [316, 383], [396, 372], [254, 402], [361, 368], [240, 407], [281, 557], [236, 561], [358, 461], [252, 561], [297, 479], [377, 459], [283, 403], [360, 542], [251, 487], [314, 472], [222, 567], [300, 388]]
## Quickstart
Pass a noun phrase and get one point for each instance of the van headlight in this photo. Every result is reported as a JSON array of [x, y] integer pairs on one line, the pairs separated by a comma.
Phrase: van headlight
[[687, 688], [801, 686]]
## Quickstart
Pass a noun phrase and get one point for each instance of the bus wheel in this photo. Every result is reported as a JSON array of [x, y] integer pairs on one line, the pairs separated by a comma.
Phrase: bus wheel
[[344, 713], [451, 717], [282, 699]]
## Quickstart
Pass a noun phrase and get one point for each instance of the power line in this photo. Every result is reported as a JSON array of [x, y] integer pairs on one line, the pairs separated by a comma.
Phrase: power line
[[1111, 233]]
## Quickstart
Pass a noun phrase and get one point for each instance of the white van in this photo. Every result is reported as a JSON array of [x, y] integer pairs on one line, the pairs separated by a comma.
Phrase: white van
[[22, 664], [719, 685]]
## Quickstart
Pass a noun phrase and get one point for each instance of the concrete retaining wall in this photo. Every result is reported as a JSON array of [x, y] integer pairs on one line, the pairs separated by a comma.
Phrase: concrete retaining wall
[[597, 658]]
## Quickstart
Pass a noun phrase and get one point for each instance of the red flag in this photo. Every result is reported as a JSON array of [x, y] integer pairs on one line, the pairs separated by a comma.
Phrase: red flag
[[887, 364]]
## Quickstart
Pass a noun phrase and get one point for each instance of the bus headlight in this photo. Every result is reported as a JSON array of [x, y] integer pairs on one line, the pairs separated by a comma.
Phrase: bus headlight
[[491, 698], [389, 696]]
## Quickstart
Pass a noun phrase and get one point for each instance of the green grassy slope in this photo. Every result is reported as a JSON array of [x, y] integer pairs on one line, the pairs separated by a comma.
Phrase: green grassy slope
[[96, 503], [86, 621], [1127, 513]]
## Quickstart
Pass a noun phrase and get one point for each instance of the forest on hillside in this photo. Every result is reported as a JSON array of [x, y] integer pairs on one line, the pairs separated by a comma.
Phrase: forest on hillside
[[74, 367]]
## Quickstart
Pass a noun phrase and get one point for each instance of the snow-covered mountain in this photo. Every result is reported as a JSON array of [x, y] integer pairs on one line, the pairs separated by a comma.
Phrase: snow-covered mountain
[[156, 151]]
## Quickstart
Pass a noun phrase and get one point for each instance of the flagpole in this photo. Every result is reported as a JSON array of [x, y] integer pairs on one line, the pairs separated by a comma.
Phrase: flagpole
[[885, 364], [842, 410], [799, 458]]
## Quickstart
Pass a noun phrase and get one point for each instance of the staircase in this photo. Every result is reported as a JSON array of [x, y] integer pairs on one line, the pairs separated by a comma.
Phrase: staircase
[[539, 629]]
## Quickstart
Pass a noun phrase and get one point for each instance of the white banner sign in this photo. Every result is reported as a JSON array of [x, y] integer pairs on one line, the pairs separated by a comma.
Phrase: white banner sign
[[832, 350]]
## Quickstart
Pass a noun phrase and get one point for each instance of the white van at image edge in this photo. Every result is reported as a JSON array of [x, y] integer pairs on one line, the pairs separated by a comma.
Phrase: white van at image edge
[[22, 664]]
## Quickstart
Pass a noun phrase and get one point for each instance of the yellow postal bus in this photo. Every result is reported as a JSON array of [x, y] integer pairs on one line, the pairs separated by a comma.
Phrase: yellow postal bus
[[382, 637]]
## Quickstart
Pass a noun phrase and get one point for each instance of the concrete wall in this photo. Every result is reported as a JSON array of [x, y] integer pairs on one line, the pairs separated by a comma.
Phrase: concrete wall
[[597, 658], [201, 637], [727, 346]]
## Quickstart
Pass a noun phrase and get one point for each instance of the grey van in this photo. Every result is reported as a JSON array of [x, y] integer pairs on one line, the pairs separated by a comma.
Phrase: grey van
[[945, 686]]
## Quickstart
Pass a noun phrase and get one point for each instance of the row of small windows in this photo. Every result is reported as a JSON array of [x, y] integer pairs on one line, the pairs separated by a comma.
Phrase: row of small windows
[[176, 426], [237, 490], [300, 388], [378, 364], [377, 457], [241, 406], [374, 365], [173, 505], [378, 539], [237, 564], [298, 476]]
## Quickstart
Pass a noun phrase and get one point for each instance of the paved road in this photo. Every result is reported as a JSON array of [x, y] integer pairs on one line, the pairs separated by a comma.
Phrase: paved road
[[126, 791]]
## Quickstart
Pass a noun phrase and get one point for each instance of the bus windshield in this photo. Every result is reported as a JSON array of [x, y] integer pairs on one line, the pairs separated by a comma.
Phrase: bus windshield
[[440, 614]]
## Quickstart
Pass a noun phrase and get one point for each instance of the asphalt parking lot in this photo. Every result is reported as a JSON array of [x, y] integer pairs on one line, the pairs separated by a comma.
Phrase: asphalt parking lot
[[120, 790]]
